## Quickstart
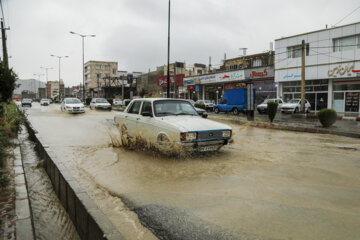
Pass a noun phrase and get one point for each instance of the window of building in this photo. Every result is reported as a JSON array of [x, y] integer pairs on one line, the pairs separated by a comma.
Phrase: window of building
[[346, 43], [114, 71], [295, 51], [98, 75], [199, 72], [257, 63], [107, 67], [233, 66], [98, 67], [107, 75]]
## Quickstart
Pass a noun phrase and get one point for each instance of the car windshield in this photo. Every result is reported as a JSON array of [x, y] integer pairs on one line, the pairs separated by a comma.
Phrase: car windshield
[[26, 100], [72, 100], [173, 107], [207, 101], [101, 100], [117, 100], [294, 101]]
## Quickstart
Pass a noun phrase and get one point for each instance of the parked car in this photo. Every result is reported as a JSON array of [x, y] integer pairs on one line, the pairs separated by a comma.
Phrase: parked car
[[200, 111], [263, 106], [117, 102], [72, 105], [26, 102], [170, 124], [100, 103], [233, 100], [45, 102], [208, 104], [294, 106]]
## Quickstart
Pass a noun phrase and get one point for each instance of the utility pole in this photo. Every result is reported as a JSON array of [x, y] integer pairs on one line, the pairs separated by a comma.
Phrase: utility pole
[[168, 58], [303, 49], [3, 37], [122, 88]]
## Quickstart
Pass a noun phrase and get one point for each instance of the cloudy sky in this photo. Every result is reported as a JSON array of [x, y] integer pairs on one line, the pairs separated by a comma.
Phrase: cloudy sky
[[134, 32]]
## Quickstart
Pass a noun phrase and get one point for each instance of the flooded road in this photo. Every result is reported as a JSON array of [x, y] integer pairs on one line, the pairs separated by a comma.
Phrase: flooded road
[[50, 219], [267, 185]]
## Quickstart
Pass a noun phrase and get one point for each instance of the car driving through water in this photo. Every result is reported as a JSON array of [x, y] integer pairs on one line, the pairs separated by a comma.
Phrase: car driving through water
[[72, 105], [170, 125]]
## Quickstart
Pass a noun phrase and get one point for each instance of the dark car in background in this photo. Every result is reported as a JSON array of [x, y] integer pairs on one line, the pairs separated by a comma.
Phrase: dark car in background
[[26, 102]]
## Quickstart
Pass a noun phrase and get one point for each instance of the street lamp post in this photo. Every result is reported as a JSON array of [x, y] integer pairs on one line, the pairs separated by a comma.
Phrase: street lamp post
[[59, 57], [82, 37], [46, 71], [168, 58]]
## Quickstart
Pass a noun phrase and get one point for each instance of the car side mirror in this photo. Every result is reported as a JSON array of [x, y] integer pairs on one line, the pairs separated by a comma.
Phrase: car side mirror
[[204, 115], [146, 114]]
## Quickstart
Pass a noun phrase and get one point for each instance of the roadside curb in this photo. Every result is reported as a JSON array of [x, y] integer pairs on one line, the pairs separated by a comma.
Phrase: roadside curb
[[24, 224], [88, 219], [279, 126]]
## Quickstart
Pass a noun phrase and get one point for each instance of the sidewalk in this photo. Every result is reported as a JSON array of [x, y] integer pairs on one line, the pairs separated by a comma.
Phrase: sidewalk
[[293, 122]]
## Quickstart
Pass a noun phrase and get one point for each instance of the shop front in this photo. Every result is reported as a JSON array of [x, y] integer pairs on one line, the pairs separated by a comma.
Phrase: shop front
[[329, 86], [176, 87], [263, 80]]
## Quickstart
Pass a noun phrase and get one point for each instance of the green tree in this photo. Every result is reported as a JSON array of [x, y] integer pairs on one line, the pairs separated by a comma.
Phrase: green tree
[[271, 110], [7, 83]]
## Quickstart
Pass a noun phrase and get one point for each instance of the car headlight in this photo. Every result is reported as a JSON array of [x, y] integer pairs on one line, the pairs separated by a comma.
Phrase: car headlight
[[188, 136], [226, 134]]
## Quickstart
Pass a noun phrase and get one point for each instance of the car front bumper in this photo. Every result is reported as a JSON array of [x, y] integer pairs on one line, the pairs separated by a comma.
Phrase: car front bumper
[[203, 146], [287, 109], [75, 110], [103, 107]]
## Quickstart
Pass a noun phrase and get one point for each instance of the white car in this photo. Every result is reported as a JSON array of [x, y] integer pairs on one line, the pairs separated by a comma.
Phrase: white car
[[208, 104], [72, 105], [100, 103], [45, 102], [294, 106], [171, 125], [262, 108], [117, 102]]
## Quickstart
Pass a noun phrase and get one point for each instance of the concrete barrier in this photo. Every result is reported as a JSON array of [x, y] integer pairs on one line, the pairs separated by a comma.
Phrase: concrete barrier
[[88, 219]]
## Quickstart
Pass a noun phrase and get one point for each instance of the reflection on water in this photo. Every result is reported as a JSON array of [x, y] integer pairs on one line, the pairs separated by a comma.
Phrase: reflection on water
[[51, 221]]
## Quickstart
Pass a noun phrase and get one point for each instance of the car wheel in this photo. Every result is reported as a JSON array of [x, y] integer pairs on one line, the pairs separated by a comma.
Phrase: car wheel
[[216, 110], [163, 143], [296, 110], [235, 111], [308, 110]]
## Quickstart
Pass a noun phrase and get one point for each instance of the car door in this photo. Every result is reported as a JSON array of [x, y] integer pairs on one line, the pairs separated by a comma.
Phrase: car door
[[92, 103], [62, 105], [146, 125], [132, 117]]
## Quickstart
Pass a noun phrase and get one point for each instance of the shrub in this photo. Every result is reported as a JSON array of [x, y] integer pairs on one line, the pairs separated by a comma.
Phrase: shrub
[[87, 101], [327, 117], [194, 97], [272, 110], [110, 100], [200, 105]]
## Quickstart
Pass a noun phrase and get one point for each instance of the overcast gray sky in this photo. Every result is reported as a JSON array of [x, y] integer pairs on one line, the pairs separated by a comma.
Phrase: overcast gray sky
[[134, 32]]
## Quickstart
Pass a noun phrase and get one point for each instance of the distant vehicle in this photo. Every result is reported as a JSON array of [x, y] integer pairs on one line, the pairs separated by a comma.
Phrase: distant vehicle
[[208, 104], [45, 102], [117, 102], [72, 105], [26, 102], [233, 100], [200, 111], [170, 124], [294, 106], [262, 107], [100, 103]]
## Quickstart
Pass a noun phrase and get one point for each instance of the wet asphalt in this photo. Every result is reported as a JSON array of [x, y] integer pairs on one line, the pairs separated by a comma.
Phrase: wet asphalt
[[268, 184]]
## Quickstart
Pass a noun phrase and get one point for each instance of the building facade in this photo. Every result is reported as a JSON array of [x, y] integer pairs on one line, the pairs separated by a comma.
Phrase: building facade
[[95, 72], [257, 69], [52, 89], [332, 66]]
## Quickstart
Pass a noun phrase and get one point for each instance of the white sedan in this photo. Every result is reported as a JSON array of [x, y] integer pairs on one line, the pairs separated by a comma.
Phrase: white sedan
[[170, 125], [294, 106], [100, 103], [72, 105], [262, 107]]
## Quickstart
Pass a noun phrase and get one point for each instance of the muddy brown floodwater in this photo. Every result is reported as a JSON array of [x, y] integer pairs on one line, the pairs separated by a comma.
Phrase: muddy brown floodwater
[[267, 185]]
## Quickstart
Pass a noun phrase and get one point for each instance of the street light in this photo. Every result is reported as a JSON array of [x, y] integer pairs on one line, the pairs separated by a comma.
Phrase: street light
[[59, 57], [38, 75], [46, 70], [83, 36]]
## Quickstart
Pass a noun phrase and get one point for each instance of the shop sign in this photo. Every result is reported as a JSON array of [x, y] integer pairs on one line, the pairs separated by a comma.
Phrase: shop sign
[[162, 81], [189, 82], [357, 72], [197, 88], [292, 76], [257, 73], [340, 70]]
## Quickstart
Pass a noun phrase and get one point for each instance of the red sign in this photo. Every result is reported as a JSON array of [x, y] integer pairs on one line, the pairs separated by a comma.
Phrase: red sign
[[355, 70], [162, 81], [226, 76], [258, 74]]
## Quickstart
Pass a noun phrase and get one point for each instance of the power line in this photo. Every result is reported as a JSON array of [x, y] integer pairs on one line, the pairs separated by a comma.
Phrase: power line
[[347, 15]]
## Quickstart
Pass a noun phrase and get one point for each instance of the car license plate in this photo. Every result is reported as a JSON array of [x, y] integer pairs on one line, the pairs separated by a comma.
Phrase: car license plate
[[208, 148]]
